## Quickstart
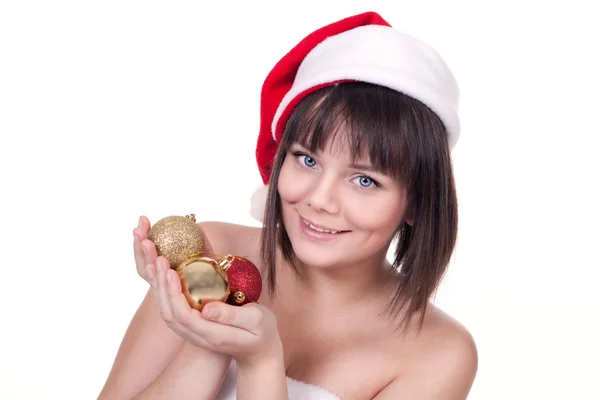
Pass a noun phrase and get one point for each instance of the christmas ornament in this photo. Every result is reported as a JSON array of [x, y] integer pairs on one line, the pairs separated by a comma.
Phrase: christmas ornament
[[205, 276], [245, 282], [177, 238], [202, 281]]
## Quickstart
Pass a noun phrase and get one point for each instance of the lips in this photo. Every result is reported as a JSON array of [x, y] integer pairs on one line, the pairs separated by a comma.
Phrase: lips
[[320, 228]]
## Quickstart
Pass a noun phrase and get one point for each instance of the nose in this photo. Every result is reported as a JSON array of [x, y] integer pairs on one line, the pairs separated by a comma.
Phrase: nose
[[323, 196]]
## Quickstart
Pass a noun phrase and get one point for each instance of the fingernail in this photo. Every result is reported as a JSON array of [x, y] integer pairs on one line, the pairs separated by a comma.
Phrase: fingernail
[[212, 313], [159, 264], [140, 222], [168, 277]]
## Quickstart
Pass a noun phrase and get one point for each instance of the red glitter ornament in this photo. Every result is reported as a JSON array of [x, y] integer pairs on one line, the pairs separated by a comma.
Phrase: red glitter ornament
[[245, 282]]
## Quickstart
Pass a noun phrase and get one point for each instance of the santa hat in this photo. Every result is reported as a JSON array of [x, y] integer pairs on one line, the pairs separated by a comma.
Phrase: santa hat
[[361, 48]]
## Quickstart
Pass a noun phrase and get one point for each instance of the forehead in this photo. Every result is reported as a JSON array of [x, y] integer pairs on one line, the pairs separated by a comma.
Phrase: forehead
[[356, 126], [334, 132]]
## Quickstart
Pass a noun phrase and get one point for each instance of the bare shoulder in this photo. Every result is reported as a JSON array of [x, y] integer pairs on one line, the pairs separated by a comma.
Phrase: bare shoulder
[[229, 238], [450, 341], [442, 361], [444, 335]]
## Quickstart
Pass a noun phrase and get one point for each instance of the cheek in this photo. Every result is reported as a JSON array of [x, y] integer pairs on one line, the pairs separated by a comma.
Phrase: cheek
[[378, 213], [292, 185]]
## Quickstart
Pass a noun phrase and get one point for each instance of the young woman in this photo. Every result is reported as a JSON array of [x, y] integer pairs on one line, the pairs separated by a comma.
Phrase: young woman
[[357, 126]]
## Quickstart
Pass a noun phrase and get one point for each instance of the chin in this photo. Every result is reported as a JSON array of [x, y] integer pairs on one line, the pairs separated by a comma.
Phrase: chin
[[317, 258]]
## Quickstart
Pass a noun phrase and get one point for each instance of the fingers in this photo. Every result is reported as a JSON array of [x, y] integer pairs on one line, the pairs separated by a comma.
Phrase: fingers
[[249, 317], [143, 227], [144, 250], [182, 312], [149, 250], [159, 283], [175, 309], [141, 231], [138, 236]]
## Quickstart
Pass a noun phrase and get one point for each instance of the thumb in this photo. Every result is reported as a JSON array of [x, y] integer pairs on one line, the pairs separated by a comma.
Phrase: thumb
[[246, 318]]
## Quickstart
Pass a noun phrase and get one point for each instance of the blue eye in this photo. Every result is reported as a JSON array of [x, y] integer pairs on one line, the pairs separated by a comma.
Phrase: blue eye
[[365, 181], [309, 161]]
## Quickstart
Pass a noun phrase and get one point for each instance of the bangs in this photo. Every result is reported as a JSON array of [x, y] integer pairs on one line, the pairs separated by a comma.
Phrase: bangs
[[371, 122]]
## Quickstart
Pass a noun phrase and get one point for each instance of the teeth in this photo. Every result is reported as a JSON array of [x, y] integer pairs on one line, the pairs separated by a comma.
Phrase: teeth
[[311, 226]]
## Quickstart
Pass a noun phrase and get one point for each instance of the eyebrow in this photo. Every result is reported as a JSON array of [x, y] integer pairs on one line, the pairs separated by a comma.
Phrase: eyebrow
[[366, 167]]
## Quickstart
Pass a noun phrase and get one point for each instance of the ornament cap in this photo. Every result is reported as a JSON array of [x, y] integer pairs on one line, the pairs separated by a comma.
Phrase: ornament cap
[[224, 263], [239, 297], [191, 216]]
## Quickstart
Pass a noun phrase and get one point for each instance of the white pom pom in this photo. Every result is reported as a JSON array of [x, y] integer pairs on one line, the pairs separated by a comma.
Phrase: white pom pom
[[258, 202]]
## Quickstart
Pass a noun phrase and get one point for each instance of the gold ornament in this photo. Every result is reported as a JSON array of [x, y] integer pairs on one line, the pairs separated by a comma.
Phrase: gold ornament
[[177, 238], [202, 281]]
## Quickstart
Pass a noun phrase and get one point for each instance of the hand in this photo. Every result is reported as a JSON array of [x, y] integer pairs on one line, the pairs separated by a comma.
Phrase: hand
[[143, 249], [247, 333]]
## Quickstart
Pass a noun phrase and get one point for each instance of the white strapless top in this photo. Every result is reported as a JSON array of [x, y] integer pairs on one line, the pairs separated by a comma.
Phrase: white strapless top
[[296, 390]]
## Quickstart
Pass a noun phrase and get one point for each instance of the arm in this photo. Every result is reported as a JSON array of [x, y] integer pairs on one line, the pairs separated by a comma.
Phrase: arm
[[250, 335], [149, 345], [195, 373], [152, 354], [263, 381]]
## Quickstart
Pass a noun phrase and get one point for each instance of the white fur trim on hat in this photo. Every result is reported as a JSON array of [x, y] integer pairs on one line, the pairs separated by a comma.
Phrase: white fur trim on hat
[[385, 56], [258, 202]]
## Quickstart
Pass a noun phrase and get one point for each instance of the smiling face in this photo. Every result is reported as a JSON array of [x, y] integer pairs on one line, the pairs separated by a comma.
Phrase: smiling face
[[337, 209], [404, 189]]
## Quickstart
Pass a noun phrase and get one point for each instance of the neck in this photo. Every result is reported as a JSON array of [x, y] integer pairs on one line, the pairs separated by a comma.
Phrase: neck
[[344, 285]]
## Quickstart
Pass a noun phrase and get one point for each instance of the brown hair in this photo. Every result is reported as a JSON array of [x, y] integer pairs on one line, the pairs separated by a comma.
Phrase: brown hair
[[402, 138]]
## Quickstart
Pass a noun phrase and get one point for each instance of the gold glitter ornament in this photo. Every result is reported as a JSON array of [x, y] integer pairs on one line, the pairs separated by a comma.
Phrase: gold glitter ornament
[[177, 238]]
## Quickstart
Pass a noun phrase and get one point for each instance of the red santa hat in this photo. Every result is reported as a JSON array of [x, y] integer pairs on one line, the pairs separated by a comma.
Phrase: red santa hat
[[361, 48]]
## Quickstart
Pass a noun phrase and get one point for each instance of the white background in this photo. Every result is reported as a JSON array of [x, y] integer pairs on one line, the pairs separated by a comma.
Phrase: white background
[[112, 109]]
